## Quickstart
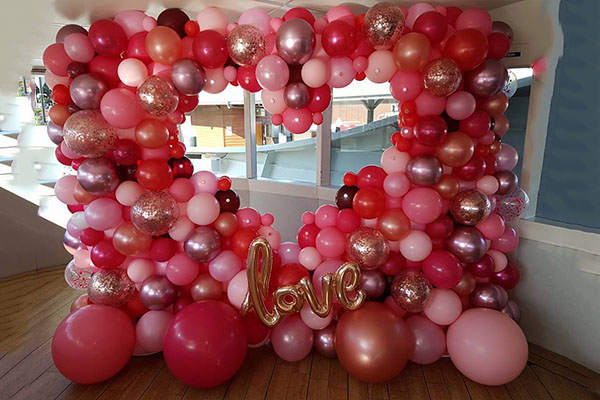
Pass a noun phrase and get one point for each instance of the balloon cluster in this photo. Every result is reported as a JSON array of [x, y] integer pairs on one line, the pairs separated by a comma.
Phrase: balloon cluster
[[162, 250]]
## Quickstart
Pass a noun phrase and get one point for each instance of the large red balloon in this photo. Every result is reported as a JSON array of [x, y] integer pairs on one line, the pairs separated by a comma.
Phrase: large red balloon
[[433, 25], [319, 98], [468, 47], [369, 202], [371, 176], [338, 39], [240, 241], [93, 343], [442, 268], [307, 235], [210, 49], [472, 170], [205, 344], [476, 125], [154, 174]]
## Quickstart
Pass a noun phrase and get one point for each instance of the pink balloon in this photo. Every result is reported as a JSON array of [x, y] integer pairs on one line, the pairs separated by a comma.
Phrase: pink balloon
[[132, 21], [181, 270], [182, 189], [248, 217], [272, 72], [150, 329], [422, 205], [406, 85], [53, 80], [330, 242], [507, 158], [289, 252], [258, 18], [508, 242], [225, 266], [237, 289], [360, 64], [297, 121], [273, 101], [428, 104], [56, 59], [390, 303], [181, 229], [204, 182], [140, 269], [443, 306], [342, 12], [149, 23], [77, 224], [347, 220], [132, 72], [292, 340], [120, 108], [492, 227], [315, 72], [203, 209], [213, 18], [326, 216], [63, 189], [215, 80], [442, 269], [341, 72], [312, 320], [310, 258], [273, 236], [460, 105], [161, 153], [488, 184], [103, 214], [475, 18], [487, 346], [500, 260], [396, 184], [230, 73], [326, 267], [416, 245], [394, 160], [277, 119], [128, 193], [415, 12], [381, 66], [428, 340], [79, 48]]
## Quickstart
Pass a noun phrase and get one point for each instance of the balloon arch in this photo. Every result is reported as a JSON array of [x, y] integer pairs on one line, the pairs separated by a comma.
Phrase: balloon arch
[[411, 259]]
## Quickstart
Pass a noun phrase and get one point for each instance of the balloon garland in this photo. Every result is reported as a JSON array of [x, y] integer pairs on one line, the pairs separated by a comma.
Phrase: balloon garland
[[163, 251]]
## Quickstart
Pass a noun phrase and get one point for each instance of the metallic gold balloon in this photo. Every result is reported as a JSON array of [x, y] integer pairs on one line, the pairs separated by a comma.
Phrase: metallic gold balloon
[[500, 125], [111, 287], [470, 207], [88, 134], [494, 106], [246, 45], [383, 25], [456, 149], [158, 96], [448, 186], [441, 77], [154, 213], [410, 290], [205, 287], [368, 248]]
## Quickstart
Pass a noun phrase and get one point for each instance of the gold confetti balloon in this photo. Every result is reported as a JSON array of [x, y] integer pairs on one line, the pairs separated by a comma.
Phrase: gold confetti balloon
[[368, 248], [383, 25], [88, 134], [154, 213], [110, 287], [470, 207], [441, 77], [246, 45], [158, 96], [410, 290]]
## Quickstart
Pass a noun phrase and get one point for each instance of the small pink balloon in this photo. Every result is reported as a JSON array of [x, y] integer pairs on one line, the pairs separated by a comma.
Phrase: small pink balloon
[[443, 306], [460, 105], [272, 72], [181, 229], [182, 270], [312, 320], [289, 252], [213, 18], [128, 193], [317, 118], [394, 160], [415, 12], [381, 66], [121, 108], [267, 219], [330, 242], [416, 245], [360, 64], [258, 18], [406, 85], [79, 48], [63, 189], [271, 234], [103, 214], [428, 104], [326, 216], [140, 269], [326, 267], [273, 101], [308, 218], [225, 266], [507, 158], [182, 189], [292, 340], [150, 329], [500, 260], [341, 12], [396, 184], [230, 73], [422, 205], [320, 24], [204, 182], [488, 184], [237, 289], [508, 242], [341, 72], [132, 72], [248, 217], [475, 18], [149, 23], [310, 258], [428, 340], [215, 80], [315, 72], [492, 227], [203, 209], [132, 21]]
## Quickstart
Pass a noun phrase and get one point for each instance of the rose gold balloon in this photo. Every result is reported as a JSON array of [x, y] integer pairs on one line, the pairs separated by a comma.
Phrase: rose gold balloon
[[154, 213], [494, 106], [158, 96], [383, 25], [470, 207], [368, 248], [205, 287], [466, 285], [456, 149], [82, 196], [88, 134], [495, 147], [246, 45], [151, 133], [79, 302], [410, 290], [393, 223], [412, 51], [448, 186], [163, 45], [372, 343], [441, 77], [130, 241], [501, 125], [226, 224]]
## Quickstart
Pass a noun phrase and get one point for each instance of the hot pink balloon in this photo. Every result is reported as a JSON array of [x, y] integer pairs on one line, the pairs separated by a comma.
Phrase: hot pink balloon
[[272, 72], [443, 306], [326, 216], [428, 340], [460, 105], [79, 48], [150, 329], [120, 108], [422, 205], [248, 217], [406, 85], [428, 104], [292, 340], [331, 242], [297, 121], [347, 220]]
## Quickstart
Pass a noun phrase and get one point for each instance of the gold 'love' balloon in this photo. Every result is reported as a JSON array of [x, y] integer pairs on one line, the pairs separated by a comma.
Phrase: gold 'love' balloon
[[289, 299]]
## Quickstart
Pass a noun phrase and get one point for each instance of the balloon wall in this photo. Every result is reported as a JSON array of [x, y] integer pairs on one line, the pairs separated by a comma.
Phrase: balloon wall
[[161, 250]]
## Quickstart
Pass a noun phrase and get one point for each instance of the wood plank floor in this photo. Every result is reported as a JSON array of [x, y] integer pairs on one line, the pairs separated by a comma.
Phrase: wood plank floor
[[32, 305]]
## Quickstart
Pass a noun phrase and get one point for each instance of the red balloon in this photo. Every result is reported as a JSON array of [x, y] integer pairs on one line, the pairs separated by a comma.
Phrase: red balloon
[[108, 38], [207, 336], [246, 77], [418, 149], [483, 268], [134, 308], [187, 103], [154, 174], [319, 98], [106, 68], [476, 125], [240, 241], [451, 14], [347, 220], [468, 47], [508, 278], [256, 332], [93, 343], [288, 274], [490, 164], [369, 202], [181, 167], [442, 268], [338, 39], [64, 160], [371, 176], [430, 130], [441, 228], [299, 12], [498, 45], [472, 170], [137, 48], [105, 256], [433, 25], [61, 95], [307, 235], [210, 49], [125, 152], [394, 264], [163, 249], [90, 236]]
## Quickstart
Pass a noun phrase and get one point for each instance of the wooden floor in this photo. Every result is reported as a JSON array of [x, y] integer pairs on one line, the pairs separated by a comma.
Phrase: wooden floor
[[32, 305]]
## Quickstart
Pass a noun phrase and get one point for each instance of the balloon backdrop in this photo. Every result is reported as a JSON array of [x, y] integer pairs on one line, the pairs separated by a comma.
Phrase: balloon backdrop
[[160, 245]]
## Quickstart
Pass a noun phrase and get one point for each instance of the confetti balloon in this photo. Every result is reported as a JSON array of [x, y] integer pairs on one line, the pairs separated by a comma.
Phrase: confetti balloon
[[88, 134], [441, 77], [158, 96], [77, 278], [246, 45], [157, 293], [513, 205], [383, 25], [410, 290], [470, 207], [368, 248], [154, 213], [110, 287]]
